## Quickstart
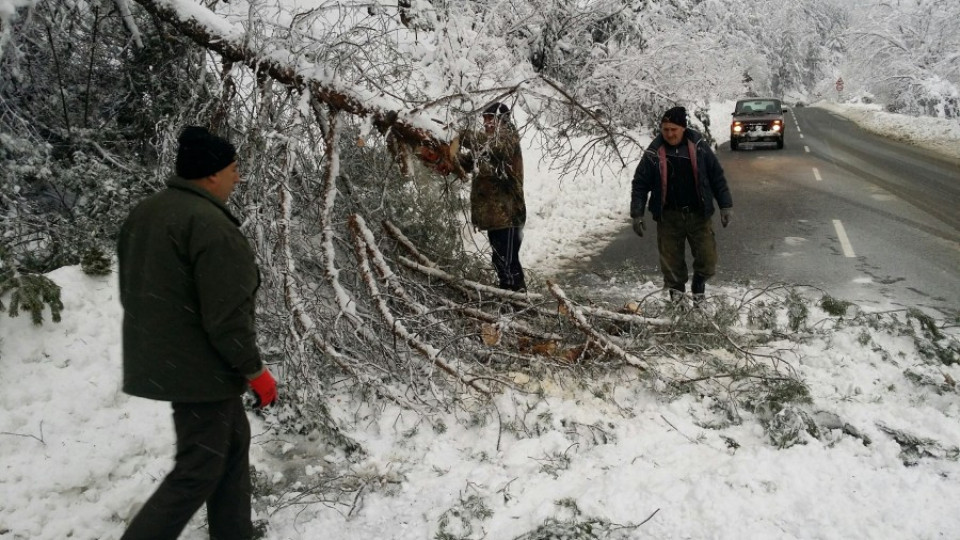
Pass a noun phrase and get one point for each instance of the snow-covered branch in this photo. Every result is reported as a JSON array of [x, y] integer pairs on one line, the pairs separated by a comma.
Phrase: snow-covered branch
[[398, 328], [216, 34]]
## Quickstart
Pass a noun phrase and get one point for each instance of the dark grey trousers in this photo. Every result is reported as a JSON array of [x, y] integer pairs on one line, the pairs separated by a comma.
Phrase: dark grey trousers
[[212, 467]]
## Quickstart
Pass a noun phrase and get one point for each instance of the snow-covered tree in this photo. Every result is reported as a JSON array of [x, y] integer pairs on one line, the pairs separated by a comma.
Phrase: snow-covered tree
[[907, 54]]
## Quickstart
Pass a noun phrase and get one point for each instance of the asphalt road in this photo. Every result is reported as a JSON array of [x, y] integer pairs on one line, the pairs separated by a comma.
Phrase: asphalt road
[[862, 217]]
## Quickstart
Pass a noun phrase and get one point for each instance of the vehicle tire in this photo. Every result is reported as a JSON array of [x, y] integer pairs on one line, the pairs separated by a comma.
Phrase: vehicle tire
[[733, 145], [780, 143]]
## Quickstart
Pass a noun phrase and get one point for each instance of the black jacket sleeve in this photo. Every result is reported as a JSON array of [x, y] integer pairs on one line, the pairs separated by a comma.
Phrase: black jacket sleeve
[[718, 182], [644, 180]]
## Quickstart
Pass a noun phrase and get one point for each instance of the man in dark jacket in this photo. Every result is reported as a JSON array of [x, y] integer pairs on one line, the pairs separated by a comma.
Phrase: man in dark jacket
[[496, 192], [682, 177], [188, 281]]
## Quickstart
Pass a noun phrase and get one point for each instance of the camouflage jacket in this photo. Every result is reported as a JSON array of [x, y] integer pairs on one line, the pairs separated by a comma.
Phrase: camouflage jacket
[[496, 192]]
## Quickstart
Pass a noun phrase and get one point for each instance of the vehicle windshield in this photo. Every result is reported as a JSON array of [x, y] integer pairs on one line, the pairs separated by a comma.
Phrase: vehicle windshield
[[758, 106]]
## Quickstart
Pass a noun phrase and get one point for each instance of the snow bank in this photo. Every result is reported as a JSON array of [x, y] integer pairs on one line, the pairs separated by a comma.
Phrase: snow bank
[[941, 135]]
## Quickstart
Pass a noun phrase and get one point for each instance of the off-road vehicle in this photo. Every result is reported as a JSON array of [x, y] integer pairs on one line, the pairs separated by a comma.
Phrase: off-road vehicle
[[757, 120]]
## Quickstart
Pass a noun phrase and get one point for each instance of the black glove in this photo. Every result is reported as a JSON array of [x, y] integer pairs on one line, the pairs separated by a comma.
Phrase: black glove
[[639, 226]]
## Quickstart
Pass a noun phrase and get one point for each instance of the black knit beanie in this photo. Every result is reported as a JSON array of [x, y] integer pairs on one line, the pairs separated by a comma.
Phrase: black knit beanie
[[676, 115], [497, 109], [202, 153]]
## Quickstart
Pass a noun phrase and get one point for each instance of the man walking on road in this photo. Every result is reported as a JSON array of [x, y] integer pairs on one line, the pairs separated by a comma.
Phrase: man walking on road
[[682, 176], [188, 281]]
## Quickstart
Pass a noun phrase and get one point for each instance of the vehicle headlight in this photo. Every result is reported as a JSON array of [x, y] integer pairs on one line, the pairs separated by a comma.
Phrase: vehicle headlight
[[776, 127], [737, 127]]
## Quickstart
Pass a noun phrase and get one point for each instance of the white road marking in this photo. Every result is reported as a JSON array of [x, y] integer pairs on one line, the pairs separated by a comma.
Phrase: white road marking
[[801, 135], [816, 174], [806, 149], [844, 241]]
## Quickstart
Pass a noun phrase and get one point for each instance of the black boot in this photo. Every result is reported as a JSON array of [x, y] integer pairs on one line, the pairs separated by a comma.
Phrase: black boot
[[698, 288], [677, 292]]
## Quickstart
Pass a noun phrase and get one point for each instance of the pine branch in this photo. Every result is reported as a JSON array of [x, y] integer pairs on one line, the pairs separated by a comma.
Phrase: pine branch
[[215, 34], [581, 322], [304, 324], [398, 235]]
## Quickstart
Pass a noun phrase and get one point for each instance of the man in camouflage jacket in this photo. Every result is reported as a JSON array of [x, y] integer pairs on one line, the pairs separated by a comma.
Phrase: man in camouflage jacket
[[496, 192]]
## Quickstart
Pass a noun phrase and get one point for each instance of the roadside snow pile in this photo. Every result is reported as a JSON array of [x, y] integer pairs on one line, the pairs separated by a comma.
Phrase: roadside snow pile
[[941, 135], [867, 447]]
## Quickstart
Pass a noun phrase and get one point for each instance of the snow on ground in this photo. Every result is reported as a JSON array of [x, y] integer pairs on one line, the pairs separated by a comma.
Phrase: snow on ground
[[571, 218], [79, 457]]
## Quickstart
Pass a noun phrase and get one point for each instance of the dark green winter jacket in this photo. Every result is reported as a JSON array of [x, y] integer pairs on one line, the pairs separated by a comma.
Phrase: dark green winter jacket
[[188, 279], [496, 192]]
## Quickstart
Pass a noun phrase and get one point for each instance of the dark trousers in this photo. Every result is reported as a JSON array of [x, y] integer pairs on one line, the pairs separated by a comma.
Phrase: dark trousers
[[674, 230], [506, 257], [212, 467]]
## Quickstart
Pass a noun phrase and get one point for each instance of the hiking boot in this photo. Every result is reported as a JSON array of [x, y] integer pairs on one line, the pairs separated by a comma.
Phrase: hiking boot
[[699, 285]]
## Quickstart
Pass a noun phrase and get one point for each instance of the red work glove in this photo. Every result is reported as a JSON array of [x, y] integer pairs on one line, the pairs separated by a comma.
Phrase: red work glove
[[265, 387]]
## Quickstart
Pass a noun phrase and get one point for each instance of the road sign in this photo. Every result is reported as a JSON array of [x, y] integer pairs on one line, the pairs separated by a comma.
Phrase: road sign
[[840, 84]]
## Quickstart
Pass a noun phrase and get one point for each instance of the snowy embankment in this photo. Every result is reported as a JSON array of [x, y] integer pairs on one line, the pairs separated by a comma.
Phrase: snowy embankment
[[940, 135]]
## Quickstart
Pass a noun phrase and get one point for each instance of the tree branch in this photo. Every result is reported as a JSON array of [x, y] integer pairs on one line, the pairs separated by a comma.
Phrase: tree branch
[[234, 48]]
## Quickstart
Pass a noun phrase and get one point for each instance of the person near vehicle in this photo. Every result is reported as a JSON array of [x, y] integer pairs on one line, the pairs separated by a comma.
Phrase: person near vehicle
[[681, 177], [497, 203], [188, 281]]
